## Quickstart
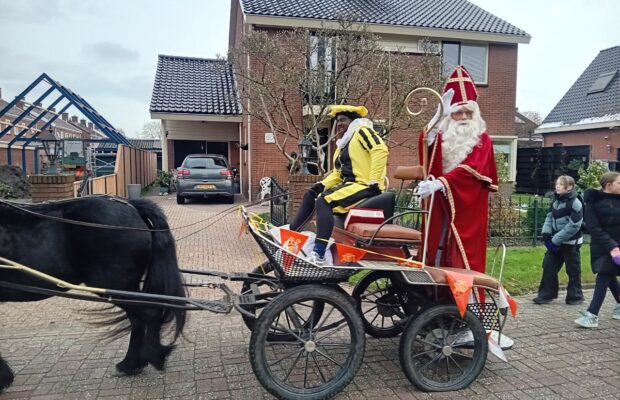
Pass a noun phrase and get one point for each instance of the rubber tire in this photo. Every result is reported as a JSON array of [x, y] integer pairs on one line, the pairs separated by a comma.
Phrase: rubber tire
[[414, 325], [180, 199], [291, 296], [266, 268], [358, 290], [230, 200]]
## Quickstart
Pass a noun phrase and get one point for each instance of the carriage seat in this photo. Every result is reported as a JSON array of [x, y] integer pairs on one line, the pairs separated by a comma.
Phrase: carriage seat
[[439, 276]]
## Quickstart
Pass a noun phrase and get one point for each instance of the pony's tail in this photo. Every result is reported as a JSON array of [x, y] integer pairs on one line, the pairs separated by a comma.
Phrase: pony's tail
[[163, 275]]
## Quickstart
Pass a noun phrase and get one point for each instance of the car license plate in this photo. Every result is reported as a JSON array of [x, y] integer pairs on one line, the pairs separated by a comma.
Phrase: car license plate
[[202, 187]]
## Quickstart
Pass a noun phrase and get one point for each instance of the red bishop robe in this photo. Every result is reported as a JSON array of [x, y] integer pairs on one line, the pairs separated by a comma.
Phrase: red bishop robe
[[464, 207]]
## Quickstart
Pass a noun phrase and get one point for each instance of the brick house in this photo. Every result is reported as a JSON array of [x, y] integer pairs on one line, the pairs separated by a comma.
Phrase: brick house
[[589, 113], [526, 132], [462, 32]]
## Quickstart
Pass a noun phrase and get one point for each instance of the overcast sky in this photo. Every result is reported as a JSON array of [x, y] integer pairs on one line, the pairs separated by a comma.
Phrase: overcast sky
[[106, 50]]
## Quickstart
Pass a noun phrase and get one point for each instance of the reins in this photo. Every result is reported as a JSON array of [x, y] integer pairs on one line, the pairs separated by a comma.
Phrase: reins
[[221, 215]]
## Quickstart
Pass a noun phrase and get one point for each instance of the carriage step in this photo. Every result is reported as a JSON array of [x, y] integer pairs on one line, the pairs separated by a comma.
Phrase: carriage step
[[218, 306], [245, 299]]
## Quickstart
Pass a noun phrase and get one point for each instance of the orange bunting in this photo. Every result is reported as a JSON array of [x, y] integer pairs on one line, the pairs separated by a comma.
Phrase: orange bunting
[[349, 254], [293, 242], [461, 286]]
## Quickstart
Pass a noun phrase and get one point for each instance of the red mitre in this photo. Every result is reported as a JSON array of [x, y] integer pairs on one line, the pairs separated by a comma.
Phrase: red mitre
[[462, 84]]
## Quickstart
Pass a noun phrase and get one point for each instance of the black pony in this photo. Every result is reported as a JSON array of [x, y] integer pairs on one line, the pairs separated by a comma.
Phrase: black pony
[[103, 258]]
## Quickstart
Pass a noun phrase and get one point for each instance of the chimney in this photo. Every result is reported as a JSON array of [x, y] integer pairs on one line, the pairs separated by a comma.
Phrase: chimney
[[91, 126], [65, 116], [74, 119], [83, 122], [20, 103], [0, 93]]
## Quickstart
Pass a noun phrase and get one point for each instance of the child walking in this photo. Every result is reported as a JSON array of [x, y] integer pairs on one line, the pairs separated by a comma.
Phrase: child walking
[[562, 236], [603, 221]]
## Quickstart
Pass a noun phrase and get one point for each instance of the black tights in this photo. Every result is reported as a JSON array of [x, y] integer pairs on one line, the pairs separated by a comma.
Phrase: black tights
[[324, 216]]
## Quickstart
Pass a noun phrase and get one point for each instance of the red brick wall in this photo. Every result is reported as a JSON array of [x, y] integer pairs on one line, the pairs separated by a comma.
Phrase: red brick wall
[[497, 101], [16, 154], [593, 137]]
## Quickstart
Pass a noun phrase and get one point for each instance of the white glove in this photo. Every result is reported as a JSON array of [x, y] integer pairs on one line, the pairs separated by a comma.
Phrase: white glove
[[427, 188], [446, 101]]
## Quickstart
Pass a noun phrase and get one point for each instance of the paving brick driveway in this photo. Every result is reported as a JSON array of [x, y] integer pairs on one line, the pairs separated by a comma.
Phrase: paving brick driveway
[[56, 355]]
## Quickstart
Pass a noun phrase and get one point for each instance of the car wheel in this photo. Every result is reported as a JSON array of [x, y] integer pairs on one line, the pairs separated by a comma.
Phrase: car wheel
[[230, 199], [180, 199]]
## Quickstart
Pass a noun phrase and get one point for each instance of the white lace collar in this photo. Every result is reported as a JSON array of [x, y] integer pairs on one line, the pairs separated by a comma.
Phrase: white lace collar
[[353, 127]]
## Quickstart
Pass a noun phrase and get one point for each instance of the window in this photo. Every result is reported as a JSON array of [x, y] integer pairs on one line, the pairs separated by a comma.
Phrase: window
[[507, 145], [321, 67], [602, 82], [472, 56]]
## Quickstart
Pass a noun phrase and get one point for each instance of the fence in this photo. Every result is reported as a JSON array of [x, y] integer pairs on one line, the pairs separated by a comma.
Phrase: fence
[[133, 166], [278, 205]]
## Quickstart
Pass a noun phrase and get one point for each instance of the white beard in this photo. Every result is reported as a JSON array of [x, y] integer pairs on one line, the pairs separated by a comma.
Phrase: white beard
[[458, 140]]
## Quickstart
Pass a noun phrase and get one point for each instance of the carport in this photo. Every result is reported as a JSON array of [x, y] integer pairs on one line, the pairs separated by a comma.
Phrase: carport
[[196, 101]]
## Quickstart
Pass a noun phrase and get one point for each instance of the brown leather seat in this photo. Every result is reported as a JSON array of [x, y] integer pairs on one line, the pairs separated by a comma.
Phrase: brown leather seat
[[388, 232], [480, 279]]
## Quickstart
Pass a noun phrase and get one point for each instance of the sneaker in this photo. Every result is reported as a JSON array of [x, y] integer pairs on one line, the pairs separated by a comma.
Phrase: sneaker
[[316, 259], [616, 313], [587, 320], [539, 300], [574, 302]]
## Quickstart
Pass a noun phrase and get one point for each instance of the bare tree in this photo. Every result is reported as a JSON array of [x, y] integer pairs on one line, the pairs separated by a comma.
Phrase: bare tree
[[151, 130], [533, 116], [287, 80]]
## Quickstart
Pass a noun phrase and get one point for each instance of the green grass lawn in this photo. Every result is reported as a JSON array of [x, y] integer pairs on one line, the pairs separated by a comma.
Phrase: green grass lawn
[[523, 268]]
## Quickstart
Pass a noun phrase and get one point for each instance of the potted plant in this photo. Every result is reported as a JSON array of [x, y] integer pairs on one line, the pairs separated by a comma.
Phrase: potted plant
[[164, 179]]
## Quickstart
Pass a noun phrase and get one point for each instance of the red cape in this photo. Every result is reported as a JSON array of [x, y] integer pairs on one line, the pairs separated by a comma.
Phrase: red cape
[[464, 206]]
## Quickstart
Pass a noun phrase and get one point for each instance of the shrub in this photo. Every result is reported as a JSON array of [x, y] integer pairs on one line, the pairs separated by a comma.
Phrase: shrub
[[5, 191], [164, 178], [589, 176]]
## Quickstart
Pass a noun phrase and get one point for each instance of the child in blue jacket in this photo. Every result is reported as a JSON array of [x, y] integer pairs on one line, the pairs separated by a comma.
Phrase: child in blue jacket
[[562, 235]]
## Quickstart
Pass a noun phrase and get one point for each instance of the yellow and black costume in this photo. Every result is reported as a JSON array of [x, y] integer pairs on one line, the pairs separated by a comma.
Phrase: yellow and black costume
[[360, 164]]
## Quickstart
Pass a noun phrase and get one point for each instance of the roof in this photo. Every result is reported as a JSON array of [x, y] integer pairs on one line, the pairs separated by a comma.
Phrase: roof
[[458, 15], [194, 85], [585, 108], [142, 144]]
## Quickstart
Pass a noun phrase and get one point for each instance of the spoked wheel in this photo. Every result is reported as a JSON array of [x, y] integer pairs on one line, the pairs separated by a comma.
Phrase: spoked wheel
[[267, 269], [325, 353], [380, 304], [442, 351]]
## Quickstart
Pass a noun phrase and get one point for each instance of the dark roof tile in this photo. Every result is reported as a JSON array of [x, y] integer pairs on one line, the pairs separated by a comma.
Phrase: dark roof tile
[[577, 105], [194, 85], [436, 14]]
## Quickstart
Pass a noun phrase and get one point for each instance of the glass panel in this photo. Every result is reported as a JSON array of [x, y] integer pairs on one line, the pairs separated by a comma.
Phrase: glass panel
[[474, 58], [450, 57], [314, 52]]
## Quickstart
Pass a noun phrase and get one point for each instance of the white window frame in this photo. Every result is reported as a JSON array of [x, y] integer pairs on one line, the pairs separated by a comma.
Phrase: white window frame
[[512, 141], [460, 61]]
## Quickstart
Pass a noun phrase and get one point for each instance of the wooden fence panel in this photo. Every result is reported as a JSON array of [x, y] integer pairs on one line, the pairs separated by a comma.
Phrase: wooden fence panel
[[133, 166]]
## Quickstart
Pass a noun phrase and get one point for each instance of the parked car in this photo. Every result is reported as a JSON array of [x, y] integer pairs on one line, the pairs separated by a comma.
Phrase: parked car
[[205, 175]]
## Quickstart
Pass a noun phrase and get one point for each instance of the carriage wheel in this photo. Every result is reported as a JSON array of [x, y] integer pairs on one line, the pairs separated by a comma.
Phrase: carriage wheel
[[442, 351], [267, 269], [380, 304], [325, 353]]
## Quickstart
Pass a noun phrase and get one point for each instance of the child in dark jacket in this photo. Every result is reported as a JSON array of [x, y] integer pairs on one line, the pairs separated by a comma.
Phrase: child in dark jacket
[[562, 236], [603, 219]]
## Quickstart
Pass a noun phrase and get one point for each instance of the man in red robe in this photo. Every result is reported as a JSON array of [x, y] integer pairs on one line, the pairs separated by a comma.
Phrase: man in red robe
[[461, 160]]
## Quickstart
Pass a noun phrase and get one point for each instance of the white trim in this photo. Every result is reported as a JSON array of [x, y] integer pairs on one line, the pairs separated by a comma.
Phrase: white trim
[[579, 127], [512, 140], [263, 20], [196, 117]]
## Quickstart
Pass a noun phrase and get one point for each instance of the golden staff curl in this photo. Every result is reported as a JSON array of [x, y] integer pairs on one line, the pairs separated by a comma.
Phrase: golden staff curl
[[422, 104]]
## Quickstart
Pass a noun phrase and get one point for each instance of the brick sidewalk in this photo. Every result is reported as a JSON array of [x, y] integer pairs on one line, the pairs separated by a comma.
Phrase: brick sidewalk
[[56, 355]]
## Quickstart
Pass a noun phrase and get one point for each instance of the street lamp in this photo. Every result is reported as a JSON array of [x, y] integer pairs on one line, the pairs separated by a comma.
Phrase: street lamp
[[51, 145], [304, 149]]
